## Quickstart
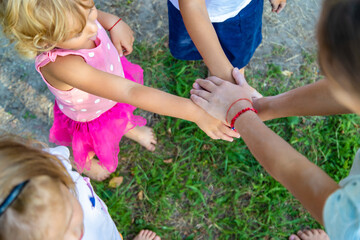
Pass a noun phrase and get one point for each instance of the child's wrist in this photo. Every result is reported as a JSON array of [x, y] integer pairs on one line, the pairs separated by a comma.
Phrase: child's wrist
[[114, 24], [236, 106], [241, 113]]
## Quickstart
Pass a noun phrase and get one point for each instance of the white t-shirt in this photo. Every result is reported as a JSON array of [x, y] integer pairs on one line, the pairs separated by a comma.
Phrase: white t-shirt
[[220, 10], [97, 221]]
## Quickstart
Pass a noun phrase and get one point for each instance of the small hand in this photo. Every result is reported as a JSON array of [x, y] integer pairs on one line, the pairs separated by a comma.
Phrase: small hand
[[239, 78], [277, 5], [123, 38], [217, 95], [216, 129]]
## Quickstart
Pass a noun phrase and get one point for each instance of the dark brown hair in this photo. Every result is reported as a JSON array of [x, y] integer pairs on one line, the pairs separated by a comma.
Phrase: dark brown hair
[[339, 42]]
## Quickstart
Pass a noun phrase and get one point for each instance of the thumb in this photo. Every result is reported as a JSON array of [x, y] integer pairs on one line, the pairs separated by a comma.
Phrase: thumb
[[239, 77]]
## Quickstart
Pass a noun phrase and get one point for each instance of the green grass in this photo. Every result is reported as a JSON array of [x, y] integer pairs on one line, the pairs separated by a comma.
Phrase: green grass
[[215, 189]]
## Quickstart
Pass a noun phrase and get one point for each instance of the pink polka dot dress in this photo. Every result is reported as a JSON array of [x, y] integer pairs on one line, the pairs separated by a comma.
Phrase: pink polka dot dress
[[88, 123]]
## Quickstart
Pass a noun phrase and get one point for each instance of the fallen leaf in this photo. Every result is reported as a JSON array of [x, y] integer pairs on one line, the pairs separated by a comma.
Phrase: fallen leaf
[[140, 195], [287, 73], [115, 182], [170, 160], [206, 147]]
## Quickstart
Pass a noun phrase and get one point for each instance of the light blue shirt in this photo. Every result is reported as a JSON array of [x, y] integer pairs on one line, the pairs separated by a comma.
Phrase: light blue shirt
[[342, 208]]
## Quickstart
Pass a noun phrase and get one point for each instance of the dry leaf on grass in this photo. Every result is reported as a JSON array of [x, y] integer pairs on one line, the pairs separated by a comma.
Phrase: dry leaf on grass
[[140, 195], [115, 182], [170, 160], [287, 73]]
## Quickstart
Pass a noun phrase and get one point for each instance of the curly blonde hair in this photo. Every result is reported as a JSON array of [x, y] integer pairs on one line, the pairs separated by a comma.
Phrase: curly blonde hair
[[36, 26], [27, 218]]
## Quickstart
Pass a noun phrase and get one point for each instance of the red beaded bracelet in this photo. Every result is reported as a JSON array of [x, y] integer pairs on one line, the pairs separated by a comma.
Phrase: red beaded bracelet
[[246, 99], [115, 24], [238, 115]]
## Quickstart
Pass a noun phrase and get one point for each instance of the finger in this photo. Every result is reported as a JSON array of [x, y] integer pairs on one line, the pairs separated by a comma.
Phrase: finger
[[274, 6], [294, 237], [212, 135], [128, 48], [208, 85], [197, 86], [238, 76], [281, 7], [201, 102], [119, 49], [223, 136], [201, 93], [217, 81], [229, 132]]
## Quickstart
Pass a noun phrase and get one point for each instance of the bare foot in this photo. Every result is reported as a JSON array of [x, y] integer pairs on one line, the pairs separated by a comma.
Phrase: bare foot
[[313, 234], [147, 235], [144, 136], [96, 172]]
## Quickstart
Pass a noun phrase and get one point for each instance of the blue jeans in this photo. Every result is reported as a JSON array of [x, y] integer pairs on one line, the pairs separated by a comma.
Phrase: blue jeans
[[239, 36]]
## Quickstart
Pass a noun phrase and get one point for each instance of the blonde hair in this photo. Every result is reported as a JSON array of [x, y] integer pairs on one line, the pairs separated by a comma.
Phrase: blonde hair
[[28, 216], [36, 26]]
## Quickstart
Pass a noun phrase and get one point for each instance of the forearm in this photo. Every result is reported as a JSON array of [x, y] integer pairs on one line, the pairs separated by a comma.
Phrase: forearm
[[203, 35], [307, 182], [310, 100], [106, 20], [154, 100]]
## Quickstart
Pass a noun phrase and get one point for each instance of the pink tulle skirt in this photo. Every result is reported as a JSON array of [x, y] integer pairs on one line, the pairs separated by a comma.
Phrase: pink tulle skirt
[[102, 135]]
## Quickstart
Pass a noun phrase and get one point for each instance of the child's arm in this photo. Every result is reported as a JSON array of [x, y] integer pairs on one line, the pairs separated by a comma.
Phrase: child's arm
[[72, 71], [202, 33], [310, 100], [302, 178], [121, 34]]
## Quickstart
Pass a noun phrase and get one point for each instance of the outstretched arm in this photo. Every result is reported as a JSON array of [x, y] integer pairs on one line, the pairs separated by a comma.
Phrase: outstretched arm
[[202, 33], [310, 100], [71, 71], [307, 182]]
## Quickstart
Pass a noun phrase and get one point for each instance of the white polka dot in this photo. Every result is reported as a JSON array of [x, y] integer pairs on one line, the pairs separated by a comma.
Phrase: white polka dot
[[99, 26], [60, 106], [118, 58], [72, 109], [111, 67], [80, 100], [83, 110], [91, 54], [97, 101], [97, 112], [68, 101], [108, 45]]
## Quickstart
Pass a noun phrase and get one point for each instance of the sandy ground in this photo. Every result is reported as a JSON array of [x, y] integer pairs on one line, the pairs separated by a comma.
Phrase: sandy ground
[[26, 103]]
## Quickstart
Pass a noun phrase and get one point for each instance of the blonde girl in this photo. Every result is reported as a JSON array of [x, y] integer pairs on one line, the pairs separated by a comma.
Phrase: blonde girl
[[93, 85], [42, 198]]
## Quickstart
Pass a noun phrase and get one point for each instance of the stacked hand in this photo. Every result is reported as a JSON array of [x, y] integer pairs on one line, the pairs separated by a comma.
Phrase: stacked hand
[[217, 95]]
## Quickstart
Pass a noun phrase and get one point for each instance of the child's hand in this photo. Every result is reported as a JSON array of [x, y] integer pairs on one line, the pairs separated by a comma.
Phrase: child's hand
[[123, 38], [216, 129], [239, 79], [217, 95], [277, 5]]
